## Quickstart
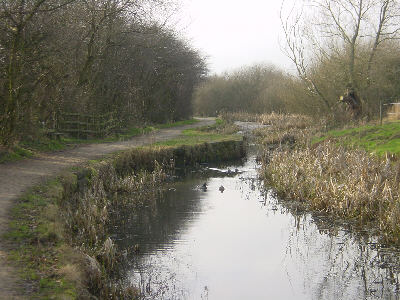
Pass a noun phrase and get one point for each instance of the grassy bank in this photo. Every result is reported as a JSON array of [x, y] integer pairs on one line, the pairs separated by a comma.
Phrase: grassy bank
[[32, 145], [377, 139], [58, 236], [342, 173]]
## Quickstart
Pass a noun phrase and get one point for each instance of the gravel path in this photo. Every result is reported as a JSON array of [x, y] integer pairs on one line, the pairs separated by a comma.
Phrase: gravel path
[[17, 177]]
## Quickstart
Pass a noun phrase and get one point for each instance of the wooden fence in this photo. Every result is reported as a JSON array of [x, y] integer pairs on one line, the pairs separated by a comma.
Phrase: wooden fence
[[84, 125]]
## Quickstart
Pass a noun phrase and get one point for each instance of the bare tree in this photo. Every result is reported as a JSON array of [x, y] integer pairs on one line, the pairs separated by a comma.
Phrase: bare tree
[[323, 28], [296, 49], [15, 18], [387, 28], [92, 57]]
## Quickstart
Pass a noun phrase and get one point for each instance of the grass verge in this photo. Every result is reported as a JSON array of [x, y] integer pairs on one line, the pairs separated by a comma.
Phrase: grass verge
[[36, 237]]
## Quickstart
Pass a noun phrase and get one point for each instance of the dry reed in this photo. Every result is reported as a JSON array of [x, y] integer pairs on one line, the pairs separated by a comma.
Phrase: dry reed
[[350, 184], [277, 120]]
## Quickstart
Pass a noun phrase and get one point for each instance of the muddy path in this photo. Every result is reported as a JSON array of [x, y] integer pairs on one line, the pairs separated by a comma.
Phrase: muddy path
[[18, 177]]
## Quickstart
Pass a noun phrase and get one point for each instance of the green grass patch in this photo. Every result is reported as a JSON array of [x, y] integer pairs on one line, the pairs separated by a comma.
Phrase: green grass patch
[[43, 144], [14, 154], [379, 139], [192, 137], [179, 123], [130, 133], [219, 124], [36, 237]]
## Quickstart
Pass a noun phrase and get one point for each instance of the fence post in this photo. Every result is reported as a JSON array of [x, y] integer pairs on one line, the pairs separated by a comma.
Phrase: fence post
[[380, 112]]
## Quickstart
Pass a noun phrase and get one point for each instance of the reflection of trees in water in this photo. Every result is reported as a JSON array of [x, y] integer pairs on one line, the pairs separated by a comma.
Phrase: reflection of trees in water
[[153, 228], [338, 264], [156, 227], [153, 282], [156, 283], [159, 223]]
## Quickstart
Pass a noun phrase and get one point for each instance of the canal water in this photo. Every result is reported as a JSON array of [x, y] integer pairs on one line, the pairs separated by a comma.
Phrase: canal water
[[242, 242]]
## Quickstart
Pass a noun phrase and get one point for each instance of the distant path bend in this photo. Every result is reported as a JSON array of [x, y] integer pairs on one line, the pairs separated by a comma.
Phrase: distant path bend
[[18, 177]]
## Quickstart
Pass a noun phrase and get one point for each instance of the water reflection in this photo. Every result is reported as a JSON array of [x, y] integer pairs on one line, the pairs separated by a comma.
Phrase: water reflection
[[339, 265], [245, 244]]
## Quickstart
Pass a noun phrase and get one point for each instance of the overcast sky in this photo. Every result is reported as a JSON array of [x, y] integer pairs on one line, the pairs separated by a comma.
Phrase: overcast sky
[[234, 33]]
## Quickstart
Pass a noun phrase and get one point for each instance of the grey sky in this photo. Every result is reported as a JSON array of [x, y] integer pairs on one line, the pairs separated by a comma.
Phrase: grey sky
[[234, 33]]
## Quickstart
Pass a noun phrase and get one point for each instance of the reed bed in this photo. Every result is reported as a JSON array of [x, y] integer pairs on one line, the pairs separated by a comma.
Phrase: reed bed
[[272, 137], [282, 129], [327, 177], [277, 120]]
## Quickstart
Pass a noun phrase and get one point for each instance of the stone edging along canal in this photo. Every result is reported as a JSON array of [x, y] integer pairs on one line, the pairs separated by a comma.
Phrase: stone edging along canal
[[72, 212]]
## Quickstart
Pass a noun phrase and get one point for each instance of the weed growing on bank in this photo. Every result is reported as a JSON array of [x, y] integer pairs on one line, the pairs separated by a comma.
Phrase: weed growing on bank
[[280, 129]]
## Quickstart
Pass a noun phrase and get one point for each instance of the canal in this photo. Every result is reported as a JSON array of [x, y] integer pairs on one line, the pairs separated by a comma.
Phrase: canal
[[217, 233]]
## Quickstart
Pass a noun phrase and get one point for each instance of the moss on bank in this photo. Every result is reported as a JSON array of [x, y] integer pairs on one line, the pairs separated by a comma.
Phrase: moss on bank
[[58, 236]]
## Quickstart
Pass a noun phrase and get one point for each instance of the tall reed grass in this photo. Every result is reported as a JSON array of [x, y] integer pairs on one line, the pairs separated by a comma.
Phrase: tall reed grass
[[330, 178], [277, 120]]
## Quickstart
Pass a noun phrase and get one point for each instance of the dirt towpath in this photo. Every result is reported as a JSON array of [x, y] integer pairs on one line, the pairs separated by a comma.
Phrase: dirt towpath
[[17, 177]]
